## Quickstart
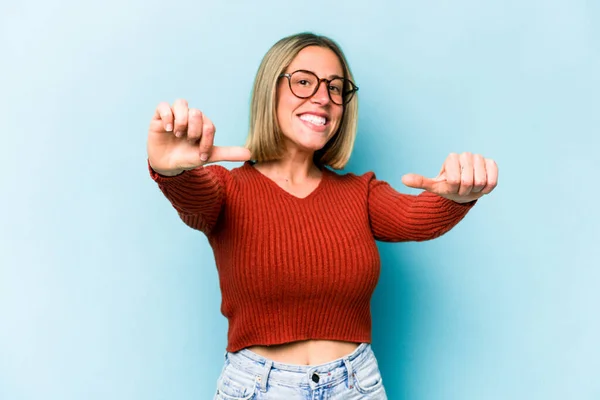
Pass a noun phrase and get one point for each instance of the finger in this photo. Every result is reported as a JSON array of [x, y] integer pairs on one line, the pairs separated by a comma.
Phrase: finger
[[234, 153], [419, 182], [492, 175], [164, 116], [441, 177], [452, 168], [466, 174], [180, 109], [195, 122], [208, 136], [479, 173]]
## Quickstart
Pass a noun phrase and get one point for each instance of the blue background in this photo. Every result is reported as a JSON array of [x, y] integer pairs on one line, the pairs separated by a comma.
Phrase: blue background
[[105, 294]]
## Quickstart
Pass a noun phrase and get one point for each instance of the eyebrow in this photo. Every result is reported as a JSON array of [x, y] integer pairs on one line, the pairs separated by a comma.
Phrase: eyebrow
[[309, 70]]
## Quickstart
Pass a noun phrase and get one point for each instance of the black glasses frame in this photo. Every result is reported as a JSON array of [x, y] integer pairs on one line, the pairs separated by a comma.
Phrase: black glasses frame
[[346, 96]]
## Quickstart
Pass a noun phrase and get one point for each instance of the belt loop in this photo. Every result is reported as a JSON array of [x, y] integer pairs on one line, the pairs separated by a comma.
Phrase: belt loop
[[265, 375], [350, 373]]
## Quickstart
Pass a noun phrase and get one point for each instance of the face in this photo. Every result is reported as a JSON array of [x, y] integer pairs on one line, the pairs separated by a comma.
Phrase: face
[[308, 124]]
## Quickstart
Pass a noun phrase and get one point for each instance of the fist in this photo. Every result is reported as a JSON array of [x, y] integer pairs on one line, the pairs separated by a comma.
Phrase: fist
[[463, 178], [181, 138]]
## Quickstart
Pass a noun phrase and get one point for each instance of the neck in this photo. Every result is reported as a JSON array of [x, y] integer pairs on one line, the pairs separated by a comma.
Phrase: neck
[[292, 167]]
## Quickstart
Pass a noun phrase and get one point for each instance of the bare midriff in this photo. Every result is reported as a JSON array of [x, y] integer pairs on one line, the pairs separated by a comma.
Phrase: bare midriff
[[306, 352]]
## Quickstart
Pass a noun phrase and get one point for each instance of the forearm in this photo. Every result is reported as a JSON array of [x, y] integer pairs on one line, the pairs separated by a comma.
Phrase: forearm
[[196, 194], [400, 217]]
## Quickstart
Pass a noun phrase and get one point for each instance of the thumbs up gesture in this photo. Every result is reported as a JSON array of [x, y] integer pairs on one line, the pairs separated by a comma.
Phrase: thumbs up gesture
[[181, 138], [463, 178]]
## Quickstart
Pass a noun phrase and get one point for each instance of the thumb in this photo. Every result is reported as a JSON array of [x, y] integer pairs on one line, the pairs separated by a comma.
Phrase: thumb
[[229, 153], [418, 181]]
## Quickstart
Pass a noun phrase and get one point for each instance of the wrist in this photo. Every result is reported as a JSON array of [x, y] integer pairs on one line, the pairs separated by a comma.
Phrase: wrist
[[169, 172], [165, 172]]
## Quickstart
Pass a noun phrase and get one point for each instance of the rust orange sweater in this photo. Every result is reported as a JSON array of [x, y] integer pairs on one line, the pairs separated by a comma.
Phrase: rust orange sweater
[[300, 268]]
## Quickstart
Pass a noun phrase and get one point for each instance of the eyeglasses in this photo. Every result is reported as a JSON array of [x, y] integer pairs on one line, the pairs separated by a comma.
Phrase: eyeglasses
[[305, 84]]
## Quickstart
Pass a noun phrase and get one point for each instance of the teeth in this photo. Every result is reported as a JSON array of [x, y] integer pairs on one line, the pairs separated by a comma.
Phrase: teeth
[[313, 119]]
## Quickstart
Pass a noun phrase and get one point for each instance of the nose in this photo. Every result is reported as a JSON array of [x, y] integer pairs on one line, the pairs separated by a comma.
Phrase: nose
[[322, 94]]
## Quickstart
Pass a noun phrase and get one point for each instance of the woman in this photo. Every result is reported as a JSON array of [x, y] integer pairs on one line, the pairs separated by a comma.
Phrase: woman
[[294, 241]]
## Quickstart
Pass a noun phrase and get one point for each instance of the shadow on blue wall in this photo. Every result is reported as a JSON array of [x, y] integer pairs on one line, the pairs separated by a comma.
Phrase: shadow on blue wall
[[391, 305]]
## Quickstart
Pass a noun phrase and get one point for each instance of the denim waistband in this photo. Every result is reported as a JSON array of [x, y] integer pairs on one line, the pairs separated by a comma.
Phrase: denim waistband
[[265, 369]]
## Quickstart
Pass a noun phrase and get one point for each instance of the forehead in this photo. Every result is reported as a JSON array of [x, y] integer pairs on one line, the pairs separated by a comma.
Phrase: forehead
[[322, 61]]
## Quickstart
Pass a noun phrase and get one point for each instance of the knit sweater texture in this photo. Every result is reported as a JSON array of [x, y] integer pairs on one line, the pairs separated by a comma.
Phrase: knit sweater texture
[[295, 268]]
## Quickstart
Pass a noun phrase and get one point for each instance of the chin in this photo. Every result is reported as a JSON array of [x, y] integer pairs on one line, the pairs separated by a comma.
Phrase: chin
[[312, 145], [308, 139]]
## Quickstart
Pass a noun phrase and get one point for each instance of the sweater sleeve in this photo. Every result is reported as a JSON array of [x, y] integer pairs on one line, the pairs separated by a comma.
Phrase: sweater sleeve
[[397, 217], [198, 195]]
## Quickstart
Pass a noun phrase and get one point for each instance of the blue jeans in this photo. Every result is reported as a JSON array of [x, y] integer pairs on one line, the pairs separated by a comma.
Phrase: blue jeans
[[247, 375]]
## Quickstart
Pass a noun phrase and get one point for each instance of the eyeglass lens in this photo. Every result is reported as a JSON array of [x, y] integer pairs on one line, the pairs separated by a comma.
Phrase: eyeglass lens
[[304, 84]]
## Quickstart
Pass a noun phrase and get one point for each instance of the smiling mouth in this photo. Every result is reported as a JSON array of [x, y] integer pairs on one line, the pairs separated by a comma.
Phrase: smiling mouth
[[314, 119]]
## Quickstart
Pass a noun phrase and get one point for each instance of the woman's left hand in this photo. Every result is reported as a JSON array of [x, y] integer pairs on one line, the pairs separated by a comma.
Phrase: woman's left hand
[[463, 178]]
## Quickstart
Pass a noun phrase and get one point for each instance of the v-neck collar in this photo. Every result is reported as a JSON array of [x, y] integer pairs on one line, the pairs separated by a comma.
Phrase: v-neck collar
[[324, 177]]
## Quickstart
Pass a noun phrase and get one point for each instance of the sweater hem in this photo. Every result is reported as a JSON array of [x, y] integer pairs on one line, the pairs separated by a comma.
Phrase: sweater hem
[[232, 348]]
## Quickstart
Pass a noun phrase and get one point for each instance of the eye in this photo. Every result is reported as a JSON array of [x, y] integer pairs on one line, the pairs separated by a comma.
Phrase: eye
[[335, 89], [303, 82]]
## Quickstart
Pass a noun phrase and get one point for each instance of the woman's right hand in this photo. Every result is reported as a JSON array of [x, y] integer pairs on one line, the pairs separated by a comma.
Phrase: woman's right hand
[[181, 138]]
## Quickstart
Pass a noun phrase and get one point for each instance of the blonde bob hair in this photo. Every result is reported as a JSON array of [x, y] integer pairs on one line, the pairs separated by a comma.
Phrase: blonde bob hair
[[265, 139]]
